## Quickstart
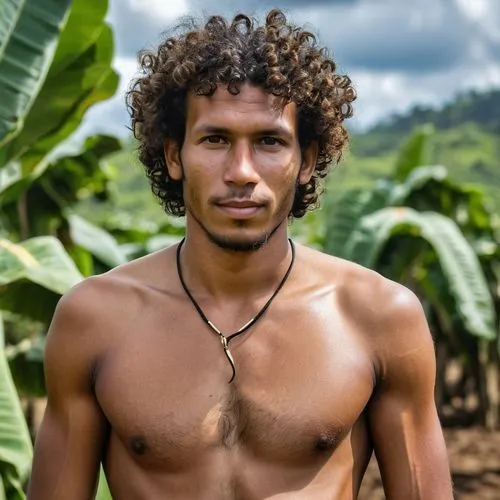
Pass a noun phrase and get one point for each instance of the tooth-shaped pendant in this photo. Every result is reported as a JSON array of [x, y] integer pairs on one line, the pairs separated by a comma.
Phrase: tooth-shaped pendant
[[229, 356], [225, 340]]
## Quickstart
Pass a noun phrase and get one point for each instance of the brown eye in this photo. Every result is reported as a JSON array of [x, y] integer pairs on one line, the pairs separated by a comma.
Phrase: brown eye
[[270, 141], [213, 139]]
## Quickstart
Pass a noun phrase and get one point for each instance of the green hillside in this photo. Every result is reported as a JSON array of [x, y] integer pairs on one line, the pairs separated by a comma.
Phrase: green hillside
[[466, 141]]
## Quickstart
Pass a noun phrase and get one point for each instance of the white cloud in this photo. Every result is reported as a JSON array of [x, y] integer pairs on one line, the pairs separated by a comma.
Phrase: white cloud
[[381, 95], [160, 10], [127, 67], [485, 14], [398, 55], [476, 10]]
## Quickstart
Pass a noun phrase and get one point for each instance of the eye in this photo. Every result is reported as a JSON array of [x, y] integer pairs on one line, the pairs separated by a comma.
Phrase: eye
[[213, 139], [270, 141]]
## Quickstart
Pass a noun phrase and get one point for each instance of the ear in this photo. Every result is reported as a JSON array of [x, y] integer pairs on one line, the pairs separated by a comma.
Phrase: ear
[[309, 159], [173, 159]]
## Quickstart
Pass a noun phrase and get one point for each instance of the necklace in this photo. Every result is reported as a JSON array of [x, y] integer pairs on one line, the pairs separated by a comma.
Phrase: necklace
[[225, 339]]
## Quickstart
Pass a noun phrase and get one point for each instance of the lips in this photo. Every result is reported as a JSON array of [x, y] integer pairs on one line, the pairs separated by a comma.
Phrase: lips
[[239, 204], [240, 209]]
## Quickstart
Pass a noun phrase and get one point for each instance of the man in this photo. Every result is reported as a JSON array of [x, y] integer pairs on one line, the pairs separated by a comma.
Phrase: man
[[237, 365]]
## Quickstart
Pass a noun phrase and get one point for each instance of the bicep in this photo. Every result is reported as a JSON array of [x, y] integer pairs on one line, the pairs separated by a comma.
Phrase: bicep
[[69, 443], [405, 428]]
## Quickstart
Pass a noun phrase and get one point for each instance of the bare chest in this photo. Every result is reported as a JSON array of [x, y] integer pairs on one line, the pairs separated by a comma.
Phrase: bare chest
[[298, 391]]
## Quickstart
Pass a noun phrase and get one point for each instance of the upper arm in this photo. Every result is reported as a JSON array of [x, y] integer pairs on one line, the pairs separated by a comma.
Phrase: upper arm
[[407, 436], [69, 443]]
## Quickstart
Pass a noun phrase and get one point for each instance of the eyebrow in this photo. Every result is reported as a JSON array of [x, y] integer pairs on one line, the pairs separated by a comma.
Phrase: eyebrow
[[214, 130]]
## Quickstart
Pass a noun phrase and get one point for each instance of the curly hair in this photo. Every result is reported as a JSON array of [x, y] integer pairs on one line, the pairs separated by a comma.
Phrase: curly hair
[[281, 58]]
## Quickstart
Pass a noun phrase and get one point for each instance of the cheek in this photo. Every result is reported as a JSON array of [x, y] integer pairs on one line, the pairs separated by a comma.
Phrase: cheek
[[196, 173], [200, 166], [283, 176]]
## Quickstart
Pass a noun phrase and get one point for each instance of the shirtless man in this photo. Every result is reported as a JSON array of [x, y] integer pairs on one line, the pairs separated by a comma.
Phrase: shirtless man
[[139, 369]]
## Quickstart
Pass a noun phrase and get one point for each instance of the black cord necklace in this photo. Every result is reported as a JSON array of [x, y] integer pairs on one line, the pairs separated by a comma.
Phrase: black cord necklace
[[225, 339]]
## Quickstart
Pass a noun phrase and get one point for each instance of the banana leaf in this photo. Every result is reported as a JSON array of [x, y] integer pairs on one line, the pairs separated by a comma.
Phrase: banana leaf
[[343, 213], [414, 153], [33, 276], [26, 366], [29, 33], [103, 490], [15, 443], [458, 262], [417, 179], [79, 76], [96, 241]]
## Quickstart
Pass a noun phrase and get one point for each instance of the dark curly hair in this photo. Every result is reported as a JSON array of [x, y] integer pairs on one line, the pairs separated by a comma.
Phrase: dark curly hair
[[281, 58]]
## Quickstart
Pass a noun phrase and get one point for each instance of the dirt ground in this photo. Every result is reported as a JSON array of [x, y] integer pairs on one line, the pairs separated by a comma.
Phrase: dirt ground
[[475, 464]]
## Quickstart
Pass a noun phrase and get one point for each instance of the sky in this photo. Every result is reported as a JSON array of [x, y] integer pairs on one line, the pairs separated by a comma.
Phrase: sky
[[398, 53]]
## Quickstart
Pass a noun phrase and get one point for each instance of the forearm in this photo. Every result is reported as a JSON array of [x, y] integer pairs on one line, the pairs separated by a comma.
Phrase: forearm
[[422, 476]]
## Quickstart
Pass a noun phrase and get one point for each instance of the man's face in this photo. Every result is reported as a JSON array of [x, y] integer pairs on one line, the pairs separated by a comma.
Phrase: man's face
[[240, 164]]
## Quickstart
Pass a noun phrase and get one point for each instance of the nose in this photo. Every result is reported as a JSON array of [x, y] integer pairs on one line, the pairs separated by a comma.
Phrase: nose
[[241, 168]]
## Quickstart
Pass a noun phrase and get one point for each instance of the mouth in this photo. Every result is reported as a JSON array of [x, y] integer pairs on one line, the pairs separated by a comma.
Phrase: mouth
[[240, 209]]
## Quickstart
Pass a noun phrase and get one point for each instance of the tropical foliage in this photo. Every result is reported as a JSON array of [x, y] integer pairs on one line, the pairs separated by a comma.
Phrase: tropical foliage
[[466, 139], [55, 60], [441, 239]]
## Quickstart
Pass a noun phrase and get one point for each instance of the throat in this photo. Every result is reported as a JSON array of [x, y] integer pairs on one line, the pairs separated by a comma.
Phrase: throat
[[225, 339]]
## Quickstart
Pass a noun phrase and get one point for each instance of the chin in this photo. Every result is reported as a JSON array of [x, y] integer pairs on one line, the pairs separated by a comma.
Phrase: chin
[[239, 243], [241, 235]]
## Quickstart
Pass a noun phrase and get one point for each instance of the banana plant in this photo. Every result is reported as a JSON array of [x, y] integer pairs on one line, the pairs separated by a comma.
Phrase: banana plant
[[39, 270], [453, 220], [76, 73], [460, 266], [24, 66], [16, 451], [55, 61]]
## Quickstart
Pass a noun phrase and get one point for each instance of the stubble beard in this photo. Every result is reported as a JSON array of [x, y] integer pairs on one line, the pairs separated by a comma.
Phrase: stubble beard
[[240, 246]]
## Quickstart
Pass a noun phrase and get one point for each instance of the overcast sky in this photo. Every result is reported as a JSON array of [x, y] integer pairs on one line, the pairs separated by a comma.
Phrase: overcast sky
[[397, 52]]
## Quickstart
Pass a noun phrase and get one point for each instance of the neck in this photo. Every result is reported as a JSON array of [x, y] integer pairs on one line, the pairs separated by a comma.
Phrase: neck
[[227, 275]]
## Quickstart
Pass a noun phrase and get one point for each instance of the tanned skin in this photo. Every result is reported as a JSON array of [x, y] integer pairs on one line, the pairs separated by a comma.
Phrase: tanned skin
[[341, 365]]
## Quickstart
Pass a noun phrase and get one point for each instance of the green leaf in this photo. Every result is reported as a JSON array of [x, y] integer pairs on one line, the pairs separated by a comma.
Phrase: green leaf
[[29, 32], [414, 153], [26, 366], [416, 179], [103, 490], [33, 276], [80, 76], [95, 240], [10, 174], [343, 214], [16, 450], [83, 28], [458, 262], [63, 101], [64, 183]]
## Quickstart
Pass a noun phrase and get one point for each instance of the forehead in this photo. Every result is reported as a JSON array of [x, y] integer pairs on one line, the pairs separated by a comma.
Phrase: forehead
[[251, 108]]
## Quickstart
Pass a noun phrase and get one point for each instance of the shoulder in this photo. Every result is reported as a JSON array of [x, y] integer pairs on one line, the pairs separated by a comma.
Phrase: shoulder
[[120, 289], [97, 307], [364, 293], [82, 318], [388, 316]]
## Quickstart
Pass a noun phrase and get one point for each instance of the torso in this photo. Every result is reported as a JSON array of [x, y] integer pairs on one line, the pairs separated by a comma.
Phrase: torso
[[291, 425]]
